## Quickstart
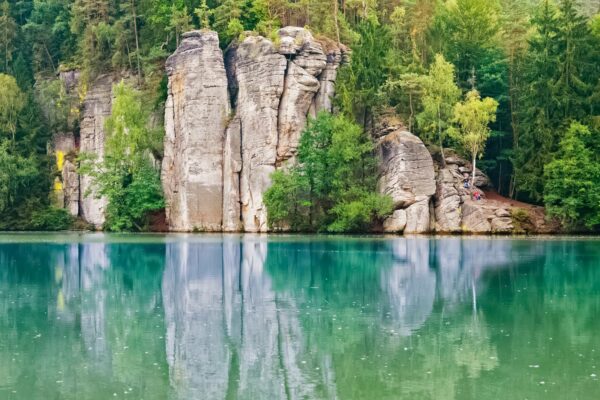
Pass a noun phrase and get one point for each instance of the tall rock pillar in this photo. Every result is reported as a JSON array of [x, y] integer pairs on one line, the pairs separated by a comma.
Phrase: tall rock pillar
[[97, 106], [258, 73], [196, 116]]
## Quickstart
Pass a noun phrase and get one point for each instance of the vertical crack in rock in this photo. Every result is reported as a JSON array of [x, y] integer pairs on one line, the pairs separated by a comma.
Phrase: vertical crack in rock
[[231, 176], [198, 105], [336, 55], [306, 62], [258, 70]]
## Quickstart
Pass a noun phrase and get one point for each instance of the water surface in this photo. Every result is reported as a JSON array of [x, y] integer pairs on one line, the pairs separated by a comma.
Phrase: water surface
[[256, 317]]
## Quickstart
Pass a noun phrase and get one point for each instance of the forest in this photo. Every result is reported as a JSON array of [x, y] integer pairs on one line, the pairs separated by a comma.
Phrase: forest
[[514, 85]]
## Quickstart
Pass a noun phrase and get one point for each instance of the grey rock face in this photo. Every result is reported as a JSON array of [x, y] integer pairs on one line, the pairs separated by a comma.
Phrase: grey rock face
[[336, 55], [97, 107], [196, 116], [418, 217], [70, 180], [474, 219], [448, 199], [231, 177], [300, 89], [259, 75], [67, 186], [396, 222], [406, 169], [456, 210], [216, 166], [407, 176]]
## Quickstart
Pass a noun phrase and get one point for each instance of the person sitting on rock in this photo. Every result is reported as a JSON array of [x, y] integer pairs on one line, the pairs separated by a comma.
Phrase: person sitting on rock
[[477, 195], [466, 183]]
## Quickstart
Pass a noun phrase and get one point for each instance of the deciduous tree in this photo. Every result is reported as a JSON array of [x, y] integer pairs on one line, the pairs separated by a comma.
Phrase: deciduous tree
[[473, 117]]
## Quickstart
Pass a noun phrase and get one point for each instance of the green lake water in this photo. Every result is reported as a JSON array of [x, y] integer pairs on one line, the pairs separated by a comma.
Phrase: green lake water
[[258, 317]]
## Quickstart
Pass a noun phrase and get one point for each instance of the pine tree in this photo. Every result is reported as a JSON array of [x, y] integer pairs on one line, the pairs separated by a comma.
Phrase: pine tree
[[179, 22], [228, 19], [8, 32], [90, 22], [559, 90]]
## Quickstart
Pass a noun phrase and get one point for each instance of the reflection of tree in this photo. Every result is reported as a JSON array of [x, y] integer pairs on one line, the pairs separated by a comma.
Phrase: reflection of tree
[[474, 351], [546, 326], [364, 296]]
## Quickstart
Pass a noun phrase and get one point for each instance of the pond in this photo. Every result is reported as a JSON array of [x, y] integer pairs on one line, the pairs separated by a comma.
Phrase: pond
[[298, 317]]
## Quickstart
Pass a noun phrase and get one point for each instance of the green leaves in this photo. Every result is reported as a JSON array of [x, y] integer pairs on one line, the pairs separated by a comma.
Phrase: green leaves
[[473, 117], [561, 72], [440, 93], [12, 102], [333, 186], [572, 179], [126, 175]]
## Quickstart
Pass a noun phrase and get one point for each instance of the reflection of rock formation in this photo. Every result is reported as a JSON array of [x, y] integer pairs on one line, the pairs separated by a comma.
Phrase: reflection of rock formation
[[226, 330], [192, 293], [410, 284], [93, 263], [83, 267]]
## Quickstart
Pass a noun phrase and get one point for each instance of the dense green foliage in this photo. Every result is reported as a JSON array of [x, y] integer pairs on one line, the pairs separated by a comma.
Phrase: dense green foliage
[[332, 188], [571, 189], [125, 175], [538, 59]]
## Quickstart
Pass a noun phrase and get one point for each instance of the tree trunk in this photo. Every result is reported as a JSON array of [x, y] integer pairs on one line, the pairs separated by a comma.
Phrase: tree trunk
[[440, 136], [412, 112], [137, 42], [335, 19], [474, 169], [49, 57]]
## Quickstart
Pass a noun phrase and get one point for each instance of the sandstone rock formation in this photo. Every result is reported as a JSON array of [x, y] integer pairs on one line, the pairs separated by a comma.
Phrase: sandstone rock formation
[[196, 114], [455, 209], [259, 75], [218, 161], [232, 167], [96, 108], [71, 192], [406, 174], [336, 55], [66, 187]]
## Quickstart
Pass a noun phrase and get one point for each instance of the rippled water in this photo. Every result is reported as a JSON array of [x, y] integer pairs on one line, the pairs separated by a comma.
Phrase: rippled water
[[256, 317]]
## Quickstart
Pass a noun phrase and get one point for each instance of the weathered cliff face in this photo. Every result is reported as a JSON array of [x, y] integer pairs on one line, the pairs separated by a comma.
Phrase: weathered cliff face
[[196, 115], [336, 55], [407, 175], [455, 208], [306, 62], [66, 187], [218, 163], [97, 107], [259, 74], [71, 191]]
